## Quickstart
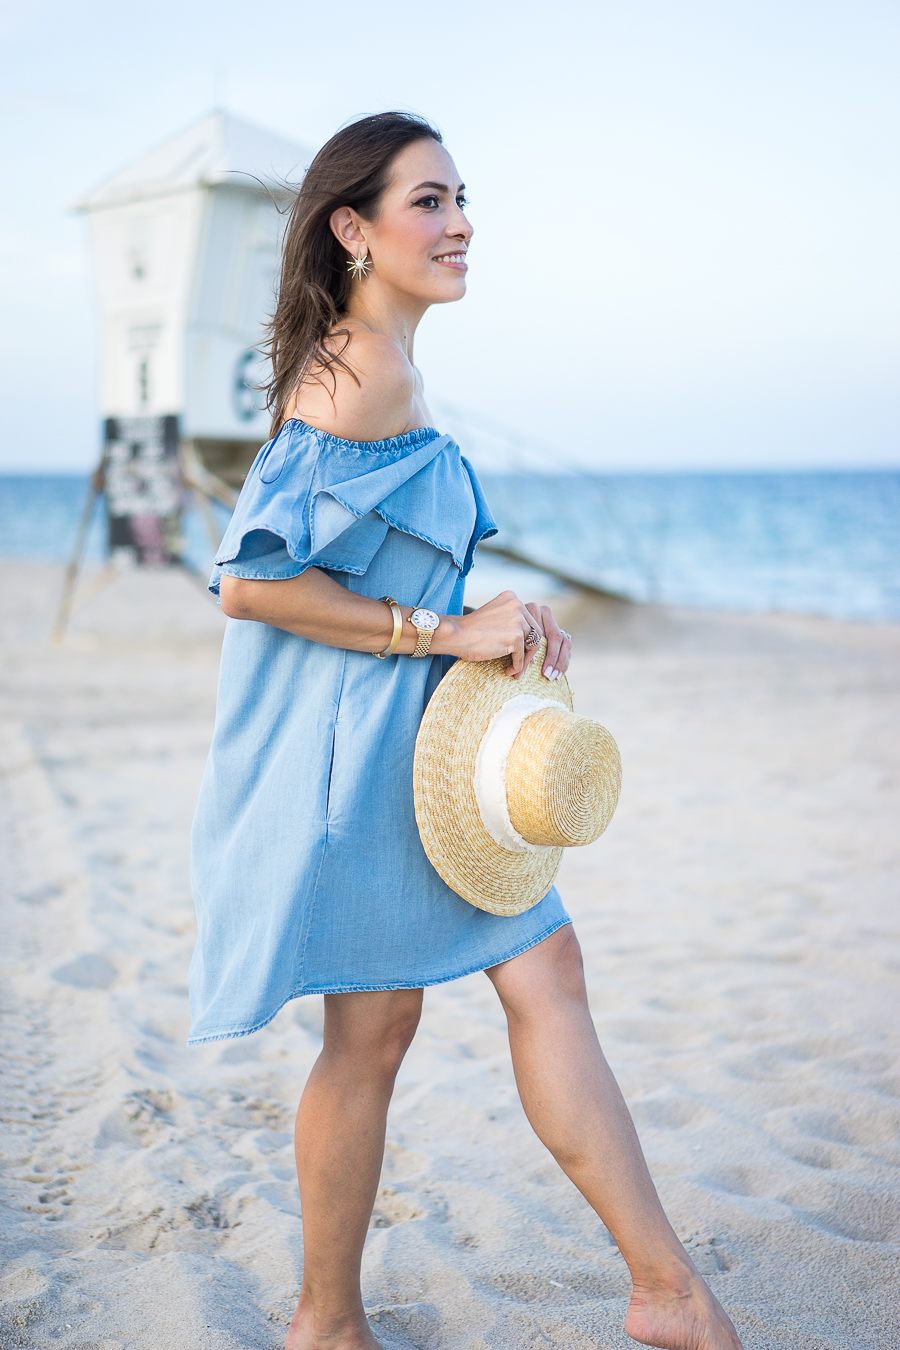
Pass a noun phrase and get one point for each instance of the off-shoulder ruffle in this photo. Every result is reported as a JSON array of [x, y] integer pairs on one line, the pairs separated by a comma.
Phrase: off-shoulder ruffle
[[315, 500]]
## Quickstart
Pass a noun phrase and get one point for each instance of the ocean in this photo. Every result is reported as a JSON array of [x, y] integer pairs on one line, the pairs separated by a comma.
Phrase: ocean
[[823, 543]]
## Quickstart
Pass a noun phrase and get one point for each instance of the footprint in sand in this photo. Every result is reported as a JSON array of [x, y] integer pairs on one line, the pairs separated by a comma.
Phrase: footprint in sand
[[87, 971], [393, 1207]]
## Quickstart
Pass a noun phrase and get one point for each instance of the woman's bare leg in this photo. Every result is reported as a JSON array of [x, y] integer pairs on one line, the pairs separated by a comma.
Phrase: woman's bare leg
[[576, 1109], [340, 1147]]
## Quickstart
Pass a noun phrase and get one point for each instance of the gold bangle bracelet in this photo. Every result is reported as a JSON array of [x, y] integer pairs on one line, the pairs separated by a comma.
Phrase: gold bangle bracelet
[[398, 628]]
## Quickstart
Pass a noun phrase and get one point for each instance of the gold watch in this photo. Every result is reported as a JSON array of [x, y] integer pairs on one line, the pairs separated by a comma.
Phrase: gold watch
[[425, 621]]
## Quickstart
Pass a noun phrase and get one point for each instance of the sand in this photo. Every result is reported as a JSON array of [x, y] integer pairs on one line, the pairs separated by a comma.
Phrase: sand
[[740, 929]]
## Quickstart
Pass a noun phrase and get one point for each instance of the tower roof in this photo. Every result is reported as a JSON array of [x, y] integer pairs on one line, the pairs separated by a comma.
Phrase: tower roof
[[211, 151]]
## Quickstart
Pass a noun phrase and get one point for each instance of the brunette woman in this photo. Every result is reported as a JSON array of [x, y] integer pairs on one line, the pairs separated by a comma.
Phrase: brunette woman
[[352, 540]]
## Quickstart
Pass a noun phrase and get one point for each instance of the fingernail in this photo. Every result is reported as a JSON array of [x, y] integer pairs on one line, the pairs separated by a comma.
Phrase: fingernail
[[548, 671], [556, 674]]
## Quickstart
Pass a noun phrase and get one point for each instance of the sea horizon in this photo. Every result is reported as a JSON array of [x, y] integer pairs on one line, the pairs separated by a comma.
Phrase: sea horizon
[[807, 541]]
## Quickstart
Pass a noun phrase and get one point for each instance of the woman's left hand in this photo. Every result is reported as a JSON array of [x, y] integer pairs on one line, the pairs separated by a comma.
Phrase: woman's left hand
[[559, 644]]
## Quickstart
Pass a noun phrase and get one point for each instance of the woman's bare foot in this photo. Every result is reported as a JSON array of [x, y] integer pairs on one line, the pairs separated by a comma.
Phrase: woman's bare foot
[[354, 1334], [684, 1315]]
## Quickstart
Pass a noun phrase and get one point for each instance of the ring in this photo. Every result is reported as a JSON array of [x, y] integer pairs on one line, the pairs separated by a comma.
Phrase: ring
[[567, 636], [532, 638]]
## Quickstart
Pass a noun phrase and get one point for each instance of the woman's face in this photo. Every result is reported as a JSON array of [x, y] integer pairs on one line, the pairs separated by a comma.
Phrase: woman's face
[[418, 243]]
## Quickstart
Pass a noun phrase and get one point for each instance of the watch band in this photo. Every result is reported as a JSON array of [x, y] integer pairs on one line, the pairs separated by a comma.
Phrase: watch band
[[398, 628], [424, 642]]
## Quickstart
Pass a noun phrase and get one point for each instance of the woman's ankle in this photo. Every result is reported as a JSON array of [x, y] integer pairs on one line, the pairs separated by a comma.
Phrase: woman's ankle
[[328, 1311], [325, 1326], [672, 1273]]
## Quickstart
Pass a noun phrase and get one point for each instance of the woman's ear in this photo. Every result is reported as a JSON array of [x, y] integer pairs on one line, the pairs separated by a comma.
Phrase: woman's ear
[[345, 226]]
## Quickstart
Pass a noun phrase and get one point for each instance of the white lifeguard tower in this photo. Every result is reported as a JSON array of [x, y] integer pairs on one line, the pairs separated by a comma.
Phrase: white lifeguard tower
[[185, 248]]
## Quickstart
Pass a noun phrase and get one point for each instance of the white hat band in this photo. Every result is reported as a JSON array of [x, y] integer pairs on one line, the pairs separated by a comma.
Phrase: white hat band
[[490, 770]]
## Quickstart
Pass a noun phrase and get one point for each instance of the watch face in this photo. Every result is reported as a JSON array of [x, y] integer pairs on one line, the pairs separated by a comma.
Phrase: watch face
[[424, 618]]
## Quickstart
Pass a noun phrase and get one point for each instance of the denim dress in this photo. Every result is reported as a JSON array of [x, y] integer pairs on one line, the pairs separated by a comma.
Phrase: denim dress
[[307, 868]]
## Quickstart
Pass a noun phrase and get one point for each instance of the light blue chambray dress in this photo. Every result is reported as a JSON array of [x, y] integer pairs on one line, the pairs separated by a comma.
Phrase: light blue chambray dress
[[307, 868]]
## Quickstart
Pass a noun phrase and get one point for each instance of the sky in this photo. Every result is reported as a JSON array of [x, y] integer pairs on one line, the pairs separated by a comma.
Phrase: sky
[[686, 211]]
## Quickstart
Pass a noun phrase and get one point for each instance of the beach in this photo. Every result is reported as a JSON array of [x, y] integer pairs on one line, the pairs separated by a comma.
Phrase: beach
[[741, 935]]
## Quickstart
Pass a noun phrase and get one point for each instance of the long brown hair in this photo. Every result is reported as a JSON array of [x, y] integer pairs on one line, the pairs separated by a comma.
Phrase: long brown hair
[[352, 169]]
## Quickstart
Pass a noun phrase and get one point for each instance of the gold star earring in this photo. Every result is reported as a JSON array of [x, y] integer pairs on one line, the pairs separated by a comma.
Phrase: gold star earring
[[359, 266]]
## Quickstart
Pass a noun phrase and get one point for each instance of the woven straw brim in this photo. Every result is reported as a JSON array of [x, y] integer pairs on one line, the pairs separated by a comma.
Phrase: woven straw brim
[[450, 825]]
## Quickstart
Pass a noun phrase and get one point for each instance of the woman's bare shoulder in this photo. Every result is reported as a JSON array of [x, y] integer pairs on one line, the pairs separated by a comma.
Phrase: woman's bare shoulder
[[373, 403]]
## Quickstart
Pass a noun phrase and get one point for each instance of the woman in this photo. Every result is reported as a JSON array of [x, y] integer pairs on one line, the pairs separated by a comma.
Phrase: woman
[[308, 870]]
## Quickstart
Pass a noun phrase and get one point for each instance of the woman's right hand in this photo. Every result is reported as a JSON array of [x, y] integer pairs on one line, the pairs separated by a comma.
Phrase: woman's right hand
[[498, 628]]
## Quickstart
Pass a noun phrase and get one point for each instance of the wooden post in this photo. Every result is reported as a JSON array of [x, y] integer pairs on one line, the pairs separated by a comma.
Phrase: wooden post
[[70, 582]]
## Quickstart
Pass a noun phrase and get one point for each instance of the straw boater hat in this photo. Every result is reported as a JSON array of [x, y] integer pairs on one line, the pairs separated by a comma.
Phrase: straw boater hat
[[506, 776]]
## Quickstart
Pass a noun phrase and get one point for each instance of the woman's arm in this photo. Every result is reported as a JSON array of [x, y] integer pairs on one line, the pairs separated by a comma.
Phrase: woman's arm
[[315, 606]]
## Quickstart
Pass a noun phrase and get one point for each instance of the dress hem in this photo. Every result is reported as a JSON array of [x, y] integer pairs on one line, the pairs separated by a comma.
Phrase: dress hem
[[375, 988]]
